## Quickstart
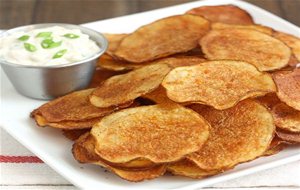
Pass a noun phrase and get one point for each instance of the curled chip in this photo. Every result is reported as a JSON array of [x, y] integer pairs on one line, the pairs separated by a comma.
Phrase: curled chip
[[260, 28], [292, 41], [163, 37], [159, 133], [101, 75], [187, 168], [288, 87], [125, 88], [108, 62], [286, 118], [83, 152], [263, 51], [228, 14], [72, 107], [74, 134], [239, 134], [113, 41], [220, 84], [287, 136]]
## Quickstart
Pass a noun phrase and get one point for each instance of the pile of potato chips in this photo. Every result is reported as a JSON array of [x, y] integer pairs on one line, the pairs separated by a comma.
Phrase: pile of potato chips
[[193, 95]]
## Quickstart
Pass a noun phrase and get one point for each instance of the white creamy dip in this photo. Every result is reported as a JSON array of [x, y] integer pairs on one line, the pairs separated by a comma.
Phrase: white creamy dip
[[47, 46]]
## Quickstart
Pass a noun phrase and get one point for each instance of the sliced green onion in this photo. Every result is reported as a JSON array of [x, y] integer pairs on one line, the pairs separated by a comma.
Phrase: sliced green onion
[[71, 36], [29, 47], [43, 34], [24, 38], [49, 43], [59, 54]]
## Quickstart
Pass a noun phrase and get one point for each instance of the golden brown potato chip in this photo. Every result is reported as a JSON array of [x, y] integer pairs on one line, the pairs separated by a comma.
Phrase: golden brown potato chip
[[269, 100], [114, 41], [74, 134], [160, 133], [263, 51], [163, 37], [239, 134], [286, 118], [291, 41], [187, 168], [228, 14], [125, 88], [220, 84], [260, 28], [71, 107], [288, 87], [287, 136], [101, 75], [83, 151], [159, 96], [276, 146], [108, 62]]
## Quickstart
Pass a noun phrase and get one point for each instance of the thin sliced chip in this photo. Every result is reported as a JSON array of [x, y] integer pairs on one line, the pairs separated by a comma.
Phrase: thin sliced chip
[[101, 75], [108, 62], [83, 151], [160, 133], [127, 87], [74, 134], [71, 107], [228, 14], [269, 100], [159, 96], [257, 27], [287, 136], [263, 51], [286, 118], [291, 41], [68, 125], [113, 41], [187, 168], [276, 146], [239, 134], [288, 87], [163, 37], [220, 84]]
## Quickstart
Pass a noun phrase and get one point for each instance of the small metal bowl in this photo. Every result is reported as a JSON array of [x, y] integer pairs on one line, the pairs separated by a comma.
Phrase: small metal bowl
[[48, 82]]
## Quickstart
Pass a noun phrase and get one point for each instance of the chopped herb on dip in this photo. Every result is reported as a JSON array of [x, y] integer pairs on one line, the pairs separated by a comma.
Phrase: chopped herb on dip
[[47, 46]]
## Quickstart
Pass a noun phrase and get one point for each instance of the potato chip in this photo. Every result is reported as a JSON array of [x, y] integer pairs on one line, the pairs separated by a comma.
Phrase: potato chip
[[109, 63], [83, 151], [269, 100], [101, 75], [71, 107], [228, 14], [287, 136], [239, 134], [125, 88], [187, 168], [163, 37], [114, 41], [292, 41], [220, 84], [288, 87], [74, 134], [286, 118], [293, 62], [160, 133], [263, 51], [260, 28], [276, 146]]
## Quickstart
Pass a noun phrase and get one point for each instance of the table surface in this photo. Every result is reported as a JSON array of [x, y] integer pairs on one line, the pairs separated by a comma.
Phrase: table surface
[[30, 172]]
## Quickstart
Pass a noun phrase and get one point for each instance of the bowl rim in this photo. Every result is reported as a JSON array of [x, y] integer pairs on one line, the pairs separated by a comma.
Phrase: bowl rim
[[100, 40]]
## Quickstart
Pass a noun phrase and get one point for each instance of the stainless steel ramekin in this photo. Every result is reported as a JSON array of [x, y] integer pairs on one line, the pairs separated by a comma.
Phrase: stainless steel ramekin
[[47, 82]]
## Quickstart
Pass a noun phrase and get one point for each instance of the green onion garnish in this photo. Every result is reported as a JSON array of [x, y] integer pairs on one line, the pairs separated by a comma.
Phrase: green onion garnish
[[49, 43], [71, 36], [24, 38], [59, 54], [29, 47], [44, 34]]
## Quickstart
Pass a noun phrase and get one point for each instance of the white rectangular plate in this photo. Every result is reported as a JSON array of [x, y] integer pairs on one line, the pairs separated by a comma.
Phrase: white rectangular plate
[[55, 150]]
